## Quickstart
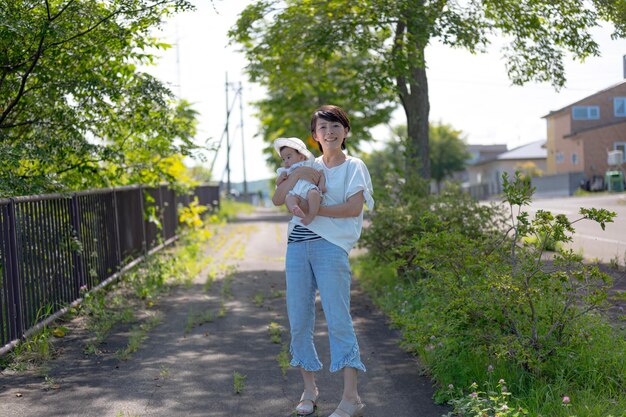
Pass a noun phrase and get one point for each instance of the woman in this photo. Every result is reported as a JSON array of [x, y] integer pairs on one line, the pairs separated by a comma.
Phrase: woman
[[317, 258]]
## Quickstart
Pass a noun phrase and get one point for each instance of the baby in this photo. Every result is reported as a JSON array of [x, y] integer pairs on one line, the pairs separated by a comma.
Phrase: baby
[[294, 154]]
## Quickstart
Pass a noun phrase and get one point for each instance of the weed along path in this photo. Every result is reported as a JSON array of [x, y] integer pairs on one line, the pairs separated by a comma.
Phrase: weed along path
[[218, 347]]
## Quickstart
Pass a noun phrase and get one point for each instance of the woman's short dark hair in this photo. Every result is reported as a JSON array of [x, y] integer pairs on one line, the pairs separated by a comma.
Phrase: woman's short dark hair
[[330, 113]]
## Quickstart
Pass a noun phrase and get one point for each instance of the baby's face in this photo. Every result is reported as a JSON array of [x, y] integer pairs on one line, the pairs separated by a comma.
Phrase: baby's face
[[290, 156]]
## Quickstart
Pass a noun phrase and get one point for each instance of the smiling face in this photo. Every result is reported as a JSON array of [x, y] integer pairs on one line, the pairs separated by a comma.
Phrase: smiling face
[[330, 127], [290, 156], [329, 134]]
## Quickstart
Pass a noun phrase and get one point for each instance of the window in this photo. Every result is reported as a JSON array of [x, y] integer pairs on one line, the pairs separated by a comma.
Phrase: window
[[620, 146], [619, 106], [559, 157], [585, 112], [574, 159]]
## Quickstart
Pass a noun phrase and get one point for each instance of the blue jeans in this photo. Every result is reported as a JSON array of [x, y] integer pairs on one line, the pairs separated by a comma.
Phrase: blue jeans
[[312, 265]]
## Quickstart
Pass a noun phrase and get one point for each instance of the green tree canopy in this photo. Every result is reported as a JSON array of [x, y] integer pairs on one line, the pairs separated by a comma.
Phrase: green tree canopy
[[75, 111], [298, 82], [391, 37], [386, 165], [448, 155], [448, 152]]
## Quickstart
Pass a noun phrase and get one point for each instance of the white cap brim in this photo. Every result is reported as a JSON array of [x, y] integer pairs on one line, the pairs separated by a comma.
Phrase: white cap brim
[[293, 143]]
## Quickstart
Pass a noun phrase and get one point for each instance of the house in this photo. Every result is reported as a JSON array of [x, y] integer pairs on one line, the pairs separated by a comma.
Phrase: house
[[485, 176], [580, 135], [478, 153]]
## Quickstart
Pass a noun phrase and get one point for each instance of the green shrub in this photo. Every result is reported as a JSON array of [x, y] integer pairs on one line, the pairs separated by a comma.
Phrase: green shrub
[[471, 298]]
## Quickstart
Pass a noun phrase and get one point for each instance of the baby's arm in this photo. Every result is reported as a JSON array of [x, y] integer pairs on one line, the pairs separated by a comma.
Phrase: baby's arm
[[282, 177], [321, 184]]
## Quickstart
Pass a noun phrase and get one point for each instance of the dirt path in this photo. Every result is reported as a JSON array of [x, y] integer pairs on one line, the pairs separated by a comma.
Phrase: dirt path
[[183, 370]]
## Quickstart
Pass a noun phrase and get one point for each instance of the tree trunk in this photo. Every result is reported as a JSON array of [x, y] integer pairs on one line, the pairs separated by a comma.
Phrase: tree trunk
[[413, 91], [417, 109]]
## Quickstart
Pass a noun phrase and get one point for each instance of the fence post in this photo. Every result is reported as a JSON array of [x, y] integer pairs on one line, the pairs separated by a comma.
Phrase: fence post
[[77, 256], [162, 212], [13, 275], [118, 245], [144, 242]]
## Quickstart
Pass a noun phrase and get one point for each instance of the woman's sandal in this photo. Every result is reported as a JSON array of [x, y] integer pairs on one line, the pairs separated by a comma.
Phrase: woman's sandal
[[303, 408], [349, 409]]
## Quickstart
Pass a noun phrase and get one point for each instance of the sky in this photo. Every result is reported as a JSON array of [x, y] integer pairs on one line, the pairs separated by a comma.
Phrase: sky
[[470, 92]]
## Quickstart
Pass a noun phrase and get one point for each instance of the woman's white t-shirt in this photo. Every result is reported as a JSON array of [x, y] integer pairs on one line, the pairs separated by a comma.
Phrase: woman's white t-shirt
[[342, 182]]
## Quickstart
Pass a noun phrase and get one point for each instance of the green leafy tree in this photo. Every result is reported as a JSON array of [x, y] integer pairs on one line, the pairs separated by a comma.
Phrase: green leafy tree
[[297, 83], [391, 37], [448, 152], [75, 112], [386, 165]]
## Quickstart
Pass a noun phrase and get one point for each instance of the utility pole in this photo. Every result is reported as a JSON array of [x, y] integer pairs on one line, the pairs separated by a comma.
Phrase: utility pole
[[243, 152], [178, 78], [238, 90], [227, 141]]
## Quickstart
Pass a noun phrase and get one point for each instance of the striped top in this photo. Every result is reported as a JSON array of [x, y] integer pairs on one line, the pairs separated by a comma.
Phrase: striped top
[[301, 234]]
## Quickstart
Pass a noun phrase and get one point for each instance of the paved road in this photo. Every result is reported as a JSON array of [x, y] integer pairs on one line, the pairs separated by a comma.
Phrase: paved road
[[176, 373], [589, 237]]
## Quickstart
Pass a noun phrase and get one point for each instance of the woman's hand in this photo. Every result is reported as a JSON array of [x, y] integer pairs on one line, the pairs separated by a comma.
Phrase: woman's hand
[[309, 174], [283, 187]]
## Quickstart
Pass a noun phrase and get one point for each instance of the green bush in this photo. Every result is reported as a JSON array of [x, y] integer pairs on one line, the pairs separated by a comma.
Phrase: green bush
[[477, 304]]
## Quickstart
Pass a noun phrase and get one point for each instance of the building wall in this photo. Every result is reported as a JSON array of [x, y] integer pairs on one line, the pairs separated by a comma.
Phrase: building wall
[[582, 145], [565, 155], [551, 145], [597, 143], [604, 100], [490, 173]]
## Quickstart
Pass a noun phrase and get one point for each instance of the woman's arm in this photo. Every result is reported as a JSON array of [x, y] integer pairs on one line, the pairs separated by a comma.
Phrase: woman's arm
[[351, 208], [302, 173]]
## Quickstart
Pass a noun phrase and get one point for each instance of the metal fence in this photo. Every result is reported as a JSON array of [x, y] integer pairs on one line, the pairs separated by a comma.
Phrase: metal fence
[[52, 245]]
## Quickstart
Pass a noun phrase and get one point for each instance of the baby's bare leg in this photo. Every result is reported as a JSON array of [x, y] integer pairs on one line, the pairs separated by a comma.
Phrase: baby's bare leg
[[314, 198], [292, 202]]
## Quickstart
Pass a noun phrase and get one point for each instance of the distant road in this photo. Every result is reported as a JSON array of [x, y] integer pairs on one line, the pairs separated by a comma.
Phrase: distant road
[[594, 242]]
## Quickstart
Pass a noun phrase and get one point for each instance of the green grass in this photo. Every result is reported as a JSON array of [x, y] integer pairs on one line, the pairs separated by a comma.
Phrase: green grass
[[222, 311], [119, 303], [194, 320], [210, 279], [258, 299], [275, 331], [138, 334], [229, 209], [239, 382], [283, 360], [227, 291], [590, 370]]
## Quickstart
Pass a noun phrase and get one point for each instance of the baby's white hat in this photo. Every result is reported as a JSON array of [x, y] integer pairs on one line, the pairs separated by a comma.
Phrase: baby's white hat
[[293, 143]]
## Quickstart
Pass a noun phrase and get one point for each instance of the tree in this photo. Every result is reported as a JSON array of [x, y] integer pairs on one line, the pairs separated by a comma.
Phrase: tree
[[448, 152], [294, 90], [276, 34], [74, 110], [386, 165], [528, 169]]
